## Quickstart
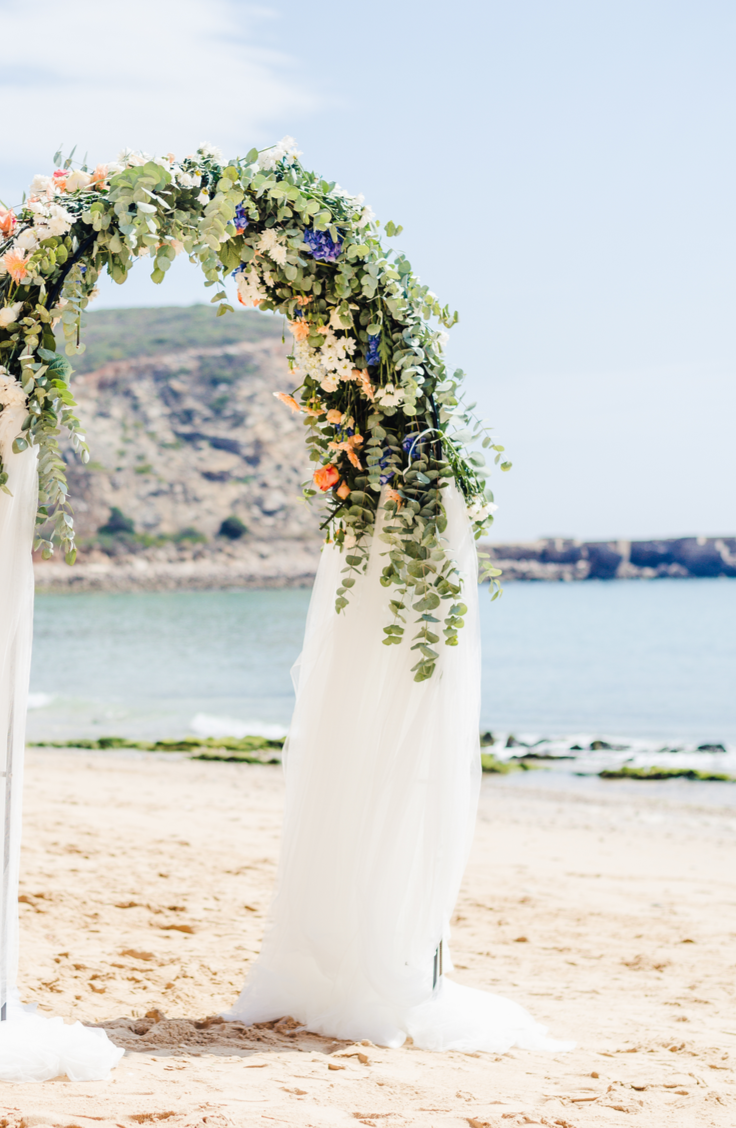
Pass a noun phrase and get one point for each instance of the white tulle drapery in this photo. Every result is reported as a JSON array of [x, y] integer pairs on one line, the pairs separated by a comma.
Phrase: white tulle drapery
[[382, 778], [32, 1048]]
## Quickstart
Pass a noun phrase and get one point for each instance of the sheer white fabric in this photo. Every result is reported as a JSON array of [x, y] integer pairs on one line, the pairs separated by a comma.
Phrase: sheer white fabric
[[382, 778], [32, 1048]]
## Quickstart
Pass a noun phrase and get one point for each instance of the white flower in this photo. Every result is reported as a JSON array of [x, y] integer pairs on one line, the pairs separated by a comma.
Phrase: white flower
[[270, 244], [366, 216], [203, 197], [286, 150], [213, 152], [113, 167], [60, 220], [39, 185], [77, 179], [442, 340], [479, 509], [11, 393], [389, 396], [349, 540], [27, 240], [188, 179], [128, 157], [9, 314], [250, 291], [330, 362]]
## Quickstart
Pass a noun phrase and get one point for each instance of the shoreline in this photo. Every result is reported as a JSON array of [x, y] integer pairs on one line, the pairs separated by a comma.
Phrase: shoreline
[[289, 563]]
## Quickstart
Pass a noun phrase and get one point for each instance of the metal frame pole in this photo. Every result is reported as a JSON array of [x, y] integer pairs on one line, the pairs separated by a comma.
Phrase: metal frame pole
[[5, 908]]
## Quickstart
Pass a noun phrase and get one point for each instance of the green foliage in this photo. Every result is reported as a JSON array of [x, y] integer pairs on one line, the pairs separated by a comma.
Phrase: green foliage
[[116, 523], [232, 528], [493, 766], [380, 407], [242, 749], [627, 772]]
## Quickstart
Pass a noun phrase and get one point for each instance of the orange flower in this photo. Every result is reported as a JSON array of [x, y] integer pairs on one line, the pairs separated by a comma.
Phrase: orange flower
[[394, 495], [59, 176], [349, 446], [248, 302], [361, 375], [299, 328], [343, 490], [325, 477], [99, 174], [303, 299], [334, 416], [15, 264], [7, 221], [289, 401]]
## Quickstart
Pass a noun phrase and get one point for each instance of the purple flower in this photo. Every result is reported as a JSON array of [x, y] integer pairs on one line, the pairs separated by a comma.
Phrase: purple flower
[[321, 246], [241, 219], [372, 356]]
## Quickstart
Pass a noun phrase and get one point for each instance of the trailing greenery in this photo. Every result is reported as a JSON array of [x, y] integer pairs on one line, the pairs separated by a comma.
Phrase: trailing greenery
[[626, 772], [384, 420]]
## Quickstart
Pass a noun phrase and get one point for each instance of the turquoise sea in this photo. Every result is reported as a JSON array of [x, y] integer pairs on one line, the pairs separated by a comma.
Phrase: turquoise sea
[[647, 661]]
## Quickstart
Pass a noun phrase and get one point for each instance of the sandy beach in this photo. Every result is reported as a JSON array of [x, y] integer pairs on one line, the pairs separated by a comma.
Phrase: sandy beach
[[611, 916]]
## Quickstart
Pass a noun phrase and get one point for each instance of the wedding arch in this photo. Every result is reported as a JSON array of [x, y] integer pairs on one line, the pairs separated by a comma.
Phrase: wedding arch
[[384, 421]]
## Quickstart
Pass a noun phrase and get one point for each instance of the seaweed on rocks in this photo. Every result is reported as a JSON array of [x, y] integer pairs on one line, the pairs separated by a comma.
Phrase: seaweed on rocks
[[654, 773]]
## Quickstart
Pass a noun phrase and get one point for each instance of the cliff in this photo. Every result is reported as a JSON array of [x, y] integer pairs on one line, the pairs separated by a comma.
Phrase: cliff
[[196, 470]]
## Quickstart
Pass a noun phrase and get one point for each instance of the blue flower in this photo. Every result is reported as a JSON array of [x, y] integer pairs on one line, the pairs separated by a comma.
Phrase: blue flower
[[412, 444], [241, 219], [386, 461], [321, 246], [372, 356]]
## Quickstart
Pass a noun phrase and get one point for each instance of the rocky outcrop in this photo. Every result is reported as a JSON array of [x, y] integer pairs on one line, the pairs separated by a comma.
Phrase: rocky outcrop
[[560, 559]]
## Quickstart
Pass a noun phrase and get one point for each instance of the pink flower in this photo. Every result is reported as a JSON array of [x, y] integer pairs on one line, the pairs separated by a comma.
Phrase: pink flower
[[7, 221]]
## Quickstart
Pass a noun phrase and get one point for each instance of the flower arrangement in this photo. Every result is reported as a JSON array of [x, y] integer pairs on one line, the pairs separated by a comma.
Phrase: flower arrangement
[[382, 412]]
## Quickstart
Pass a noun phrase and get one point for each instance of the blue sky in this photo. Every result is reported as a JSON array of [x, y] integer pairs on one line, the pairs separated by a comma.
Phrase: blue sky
[[564, 171]]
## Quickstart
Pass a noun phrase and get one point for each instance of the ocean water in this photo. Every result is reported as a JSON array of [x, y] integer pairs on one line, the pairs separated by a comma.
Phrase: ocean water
[[646, 664]]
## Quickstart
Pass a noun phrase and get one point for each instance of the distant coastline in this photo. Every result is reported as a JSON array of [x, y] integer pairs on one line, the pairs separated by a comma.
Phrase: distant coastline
[[250, 563]]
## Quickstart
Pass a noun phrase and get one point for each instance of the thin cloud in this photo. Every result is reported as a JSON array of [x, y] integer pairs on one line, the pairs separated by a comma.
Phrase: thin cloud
[[159, 75]]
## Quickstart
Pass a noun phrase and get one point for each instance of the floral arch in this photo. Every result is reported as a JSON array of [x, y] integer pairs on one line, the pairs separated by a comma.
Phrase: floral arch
[[382, 413]]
